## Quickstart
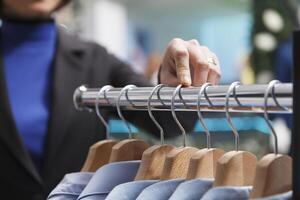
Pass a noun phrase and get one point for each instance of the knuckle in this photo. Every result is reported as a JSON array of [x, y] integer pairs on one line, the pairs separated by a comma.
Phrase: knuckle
[[175, 41], [205, 48], [194, 42], [181, 53], [202, 64]]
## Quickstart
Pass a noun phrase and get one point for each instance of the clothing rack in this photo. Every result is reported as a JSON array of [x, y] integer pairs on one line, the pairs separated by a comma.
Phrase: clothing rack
[[245, 98], [249, 96]]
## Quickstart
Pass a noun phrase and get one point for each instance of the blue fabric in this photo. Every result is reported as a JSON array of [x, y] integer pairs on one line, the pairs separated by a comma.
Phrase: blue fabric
[[160, 191], [228, 193], [130, 190], [192, 189], [28, 53], [283, 196], [107, 177], [71, 186]]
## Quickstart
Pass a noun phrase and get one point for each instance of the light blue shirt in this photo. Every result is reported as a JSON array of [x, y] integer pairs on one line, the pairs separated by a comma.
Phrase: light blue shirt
[[130, 190], [71, 186], [107, 177], [192, 189], [160, 191], [228, 193], [283, 196]]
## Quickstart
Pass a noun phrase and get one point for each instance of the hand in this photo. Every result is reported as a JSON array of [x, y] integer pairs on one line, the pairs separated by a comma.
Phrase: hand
[[188, 63]]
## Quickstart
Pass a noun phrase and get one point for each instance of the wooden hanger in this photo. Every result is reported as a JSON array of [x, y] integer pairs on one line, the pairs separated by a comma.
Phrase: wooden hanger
[[235, 168], [203, 163], [99, 152], [98, 155], [177, 160], [274, 171], [154, 157], [153, 160], [129, 149]]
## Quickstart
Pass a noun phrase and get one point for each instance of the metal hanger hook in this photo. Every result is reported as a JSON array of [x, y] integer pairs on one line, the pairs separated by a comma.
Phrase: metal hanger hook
[[102, 91], [201, 119], [156, 89], [183, 132], [206, 95], [158, 96], [234, 130], [270, 87], [125, 89]]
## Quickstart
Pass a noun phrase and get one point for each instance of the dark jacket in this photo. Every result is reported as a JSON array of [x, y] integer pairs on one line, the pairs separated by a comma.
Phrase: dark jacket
[[70, 132]]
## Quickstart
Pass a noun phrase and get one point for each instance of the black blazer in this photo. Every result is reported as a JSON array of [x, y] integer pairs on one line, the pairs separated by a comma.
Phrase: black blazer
[[70, 132]]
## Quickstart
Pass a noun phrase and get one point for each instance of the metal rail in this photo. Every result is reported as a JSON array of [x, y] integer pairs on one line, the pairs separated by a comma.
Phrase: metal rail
[[247, 98]]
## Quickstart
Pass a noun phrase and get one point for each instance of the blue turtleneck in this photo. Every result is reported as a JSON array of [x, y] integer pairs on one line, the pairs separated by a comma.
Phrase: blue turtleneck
[[28, 53]]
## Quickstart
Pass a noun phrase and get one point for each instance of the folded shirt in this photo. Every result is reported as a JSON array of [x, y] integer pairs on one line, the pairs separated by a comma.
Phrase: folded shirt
[[228, 193], [130, 190], [71, 186], [107, 177], [192, 189], [160, 191], [283, 196]]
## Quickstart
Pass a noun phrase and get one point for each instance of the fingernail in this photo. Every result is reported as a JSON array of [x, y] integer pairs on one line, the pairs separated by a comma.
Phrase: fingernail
[[186, 80]]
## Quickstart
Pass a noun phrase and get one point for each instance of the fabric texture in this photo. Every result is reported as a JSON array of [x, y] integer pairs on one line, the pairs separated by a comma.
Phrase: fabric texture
[[228, 193], [70, 186], [28, 54], [107, 177], [130, 190], [161, 190], [192, 189], [284, 196]]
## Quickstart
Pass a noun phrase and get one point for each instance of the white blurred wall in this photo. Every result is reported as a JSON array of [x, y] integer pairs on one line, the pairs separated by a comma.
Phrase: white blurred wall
[[105, 22]]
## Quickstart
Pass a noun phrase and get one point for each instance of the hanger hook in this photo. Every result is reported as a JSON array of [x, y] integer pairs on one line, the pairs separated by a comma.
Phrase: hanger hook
[[270, 87], [101, 91], [158, 95], [235, 132], [206, 96], [176, 91], [156, 89], [201, 119], [125, 89]]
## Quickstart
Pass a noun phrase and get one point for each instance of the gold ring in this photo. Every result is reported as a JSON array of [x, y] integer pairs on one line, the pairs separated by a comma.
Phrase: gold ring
[[211, 60]]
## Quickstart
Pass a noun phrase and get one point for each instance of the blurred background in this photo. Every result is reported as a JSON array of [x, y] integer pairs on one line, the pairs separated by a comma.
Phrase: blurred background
[[252, 39]]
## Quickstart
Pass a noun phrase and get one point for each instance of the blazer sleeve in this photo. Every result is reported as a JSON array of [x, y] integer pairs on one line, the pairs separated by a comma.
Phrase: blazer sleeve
[[120, 75]]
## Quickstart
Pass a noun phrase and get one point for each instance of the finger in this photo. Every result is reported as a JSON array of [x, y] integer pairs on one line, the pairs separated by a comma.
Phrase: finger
[[171, 80], [213, 77], [194, 42], [181, 56], [214, 71], [200, 66]]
